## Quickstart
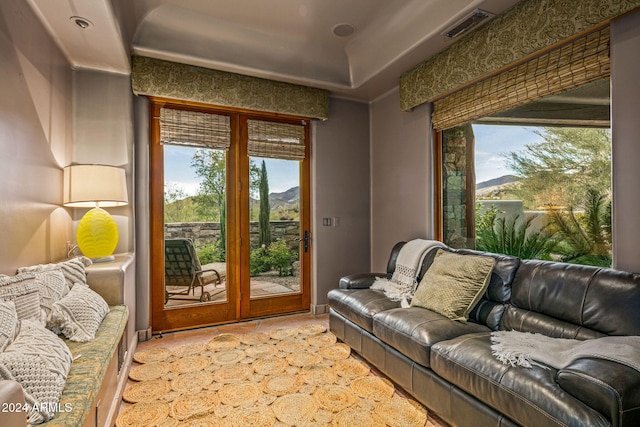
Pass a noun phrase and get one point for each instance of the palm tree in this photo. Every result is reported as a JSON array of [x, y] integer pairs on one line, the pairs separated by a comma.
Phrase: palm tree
[[510, 236], [585, 238]]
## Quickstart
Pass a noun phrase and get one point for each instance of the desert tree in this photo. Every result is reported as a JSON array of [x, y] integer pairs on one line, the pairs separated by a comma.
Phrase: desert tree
[[561, 167]]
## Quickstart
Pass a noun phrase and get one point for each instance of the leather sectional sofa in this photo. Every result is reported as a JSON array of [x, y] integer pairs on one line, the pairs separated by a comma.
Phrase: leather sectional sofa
[[448, 365]]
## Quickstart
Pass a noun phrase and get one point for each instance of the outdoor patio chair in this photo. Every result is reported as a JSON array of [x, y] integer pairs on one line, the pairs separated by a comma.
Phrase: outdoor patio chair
[[182, 269]]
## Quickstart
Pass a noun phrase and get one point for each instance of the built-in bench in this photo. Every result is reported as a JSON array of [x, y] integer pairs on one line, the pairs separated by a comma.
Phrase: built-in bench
[[90, 396]]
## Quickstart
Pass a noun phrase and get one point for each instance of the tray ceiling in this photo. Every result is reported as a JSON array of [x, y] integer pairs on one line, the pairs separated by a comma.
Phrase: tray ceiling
[[285, 40]]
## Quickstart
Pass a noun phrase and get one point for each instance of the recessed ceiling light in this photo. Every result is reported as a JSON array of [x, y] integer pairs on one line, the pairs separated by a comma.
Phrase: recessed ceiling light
[[343, 30], [81, 22]]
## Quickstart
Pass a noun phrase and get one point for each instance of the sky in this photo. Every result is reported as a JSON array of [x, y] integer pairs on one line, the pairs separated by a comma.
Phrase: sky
[[492, 143], [283, 174]]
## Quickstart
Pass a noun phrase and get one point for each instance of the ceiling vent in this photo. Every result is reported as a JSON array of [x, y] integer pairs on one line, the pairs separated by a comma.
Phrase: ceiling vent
[[467, 23]]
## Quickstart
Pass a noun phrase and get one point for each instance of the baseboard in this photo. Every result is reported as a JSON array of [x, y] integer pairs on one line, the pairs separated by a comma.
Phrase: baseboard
[[319, 309], [144, 335]]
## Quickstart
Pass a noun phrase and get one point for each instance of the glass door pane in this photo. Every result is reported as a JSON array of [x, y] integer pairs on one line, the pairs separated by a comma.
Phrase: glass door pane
[[274, 229], [195, 226]]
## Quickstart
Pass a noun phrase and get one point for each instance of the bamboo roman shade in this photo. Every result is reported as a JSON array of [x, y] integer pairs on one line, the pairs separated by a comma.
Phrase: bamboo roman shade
[[276, 140], [581, 61], [194, 129]]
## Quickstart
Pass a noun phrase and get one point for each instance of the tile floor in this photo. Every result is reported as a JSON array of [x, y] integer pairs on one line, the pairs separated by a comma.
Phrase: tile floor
[[175, 339]]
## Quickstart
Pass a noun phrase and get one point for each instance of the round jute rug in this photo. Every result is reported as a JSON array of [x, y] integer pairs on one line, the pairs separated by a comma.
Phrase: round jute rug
[[284, 377]]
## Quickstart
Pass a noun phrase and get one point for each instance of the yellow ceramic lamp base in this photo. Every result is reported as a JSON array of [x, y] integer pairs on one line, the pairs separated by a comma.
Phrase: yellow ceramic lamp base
[[97, 234]]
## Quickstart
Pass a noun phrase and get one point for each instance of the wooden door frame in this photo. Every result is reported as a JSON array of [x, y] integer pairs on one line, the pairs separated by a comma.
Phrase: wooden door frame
[[239, 304], [175, 318], [295, 302]]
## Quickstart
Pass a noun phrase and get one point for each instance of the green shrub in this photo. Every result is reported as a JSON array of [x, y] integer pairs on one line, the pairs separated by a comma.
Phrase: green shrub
[[276, 256], [259, 261], [280, 258], [211, 253]]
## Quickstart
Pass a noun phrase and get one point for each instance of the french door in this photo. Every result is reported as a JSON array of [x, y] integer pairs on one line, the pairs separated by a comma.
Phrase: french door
[[230, 217]]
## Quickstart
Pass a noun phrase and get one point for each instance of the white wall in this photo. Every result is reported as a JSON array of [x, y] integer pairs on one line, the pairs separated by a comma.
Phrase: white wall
[[401, 182], [141, 207], [340, 188], [35, 136], [625, 124], [103, 134]]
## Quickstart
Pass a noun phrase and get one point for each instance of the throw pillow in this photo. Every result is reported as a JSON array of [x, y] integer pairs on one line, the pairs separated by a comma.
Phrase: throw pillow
[[73, 270], [24, 290], [53, 285], [78, 315], [454, 284], [40, 361], [8, 323]]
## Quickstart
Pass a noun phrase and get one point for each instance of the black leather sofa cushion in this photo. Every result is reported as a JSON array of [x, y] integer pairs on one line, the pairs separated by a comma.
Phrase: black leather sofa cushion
[[412, 331], [360, 305], [600, 299], [529, 321], [610, 387], [528, 396]]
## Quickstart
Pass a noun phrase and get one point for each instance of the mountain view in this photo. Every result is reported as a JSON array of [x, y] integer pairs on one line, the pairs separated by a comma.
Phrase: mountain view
[[497, 188], [285, 206], [288, 198]]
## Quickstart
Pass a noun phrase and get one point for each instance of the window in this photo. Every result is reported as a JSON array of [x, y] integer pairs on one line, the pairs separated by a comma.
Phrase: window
[[534, 181]]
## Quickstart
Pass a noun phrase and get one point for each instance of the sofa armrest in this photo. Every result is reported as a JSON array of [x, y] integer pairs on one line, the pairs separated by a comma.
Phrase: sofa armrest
[[611, 388], [13, 412], [360, 280]]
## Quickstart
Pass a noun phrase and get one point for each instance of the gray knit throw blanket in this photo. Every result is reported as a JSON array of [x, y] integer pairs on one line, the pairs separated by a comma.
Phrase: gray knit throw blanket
[[524, 349]]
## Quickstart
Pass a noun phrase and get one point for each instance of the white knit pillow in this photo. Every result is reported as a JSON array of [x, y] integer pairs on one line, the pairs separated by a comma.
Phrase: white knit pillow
[[73, 270], [24, 290], [78, 315], [8, 323], [40, 361], [52, 284]]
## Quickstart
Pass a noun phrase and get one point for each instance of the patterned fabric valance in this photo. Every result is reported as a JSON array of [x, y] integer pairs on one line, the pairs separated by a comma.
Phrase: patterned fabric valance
[[276, 140], [520, 32], [166, 79], [194, 129], [575, 64]]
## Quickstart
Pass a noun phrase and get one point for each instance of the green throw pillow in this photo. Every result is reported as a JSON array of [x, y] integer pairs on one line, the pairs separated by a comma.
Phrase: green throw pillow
[[454, 284]]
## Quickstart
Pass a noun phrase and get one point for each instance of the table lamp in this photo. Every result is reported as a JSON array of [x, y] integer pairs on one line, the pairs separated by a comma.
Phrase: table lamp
[[97, 187]]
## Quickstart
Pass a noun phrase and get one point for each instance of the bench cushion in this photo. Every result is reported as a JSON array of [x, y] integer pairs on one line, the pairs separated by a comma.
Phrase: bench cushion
[[91, 360]]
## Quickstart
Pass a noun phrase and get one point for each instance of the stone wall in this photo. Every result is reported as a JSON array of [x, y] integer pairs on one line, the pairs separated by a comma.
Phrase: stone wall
[[208, 233], [458, 184]]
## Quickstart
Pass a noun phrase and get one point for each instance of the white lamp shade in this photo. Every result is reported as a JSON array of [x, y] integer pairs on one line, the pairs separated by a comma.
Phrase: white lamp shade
[[87, 186]]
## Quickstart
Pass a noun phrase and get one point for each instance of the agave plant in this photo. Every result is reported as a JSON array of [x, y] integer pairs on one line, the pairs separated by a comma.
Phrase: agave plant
[[511, 236], [585, 238]]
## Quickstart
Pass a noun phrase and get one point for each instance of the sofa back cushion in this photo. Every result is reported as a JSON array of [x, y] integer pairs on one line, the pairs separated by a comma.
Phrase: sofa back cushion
[[573, 301], [492, 305]]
